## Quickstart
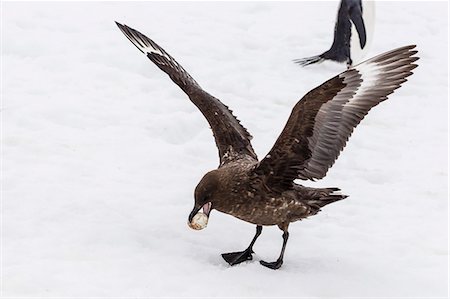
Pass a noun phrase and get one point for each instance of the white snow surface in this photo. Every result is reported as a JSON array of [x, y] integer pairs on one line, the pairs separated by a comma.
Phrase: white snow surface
[[102, 152]]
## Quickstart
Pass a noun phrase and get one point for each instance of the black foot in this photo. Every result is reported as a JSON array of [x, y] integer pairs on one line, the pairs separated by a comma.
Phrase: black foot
[[234, 258], [272, 265]]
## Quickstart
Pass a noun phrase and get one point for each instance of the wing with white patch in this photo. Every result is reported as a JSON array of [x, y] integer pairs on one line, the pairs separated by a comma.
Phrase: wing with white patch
[[232, 139], [323, 120], [159, 56]]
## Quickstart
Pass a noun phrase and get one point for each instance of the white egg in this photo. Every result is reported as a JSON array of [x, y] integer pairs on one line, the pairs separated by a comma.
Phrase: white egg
[[199, 221]]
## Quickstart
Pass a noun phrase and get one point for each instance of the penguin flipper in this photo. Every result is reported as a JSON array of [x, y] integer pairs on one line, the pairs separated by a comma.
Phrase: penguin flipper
[[357, 19]]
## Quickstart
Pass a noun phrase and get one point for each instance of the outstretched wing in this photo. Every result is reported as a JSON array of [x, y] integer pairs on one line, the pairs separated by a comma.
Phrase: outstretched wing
[[323, 120], [232, 139]]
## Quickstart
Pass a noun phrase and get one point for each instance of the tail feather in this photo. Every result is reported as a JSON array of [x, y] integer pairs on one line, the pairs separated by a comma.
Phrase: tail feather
[[330, 198], [317, 198], [309, 60]]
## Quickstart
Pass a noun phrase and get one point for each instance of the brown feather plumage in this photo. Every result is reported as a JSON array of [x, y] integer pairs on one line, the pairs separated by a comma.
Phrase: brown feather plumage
[[264, 193]]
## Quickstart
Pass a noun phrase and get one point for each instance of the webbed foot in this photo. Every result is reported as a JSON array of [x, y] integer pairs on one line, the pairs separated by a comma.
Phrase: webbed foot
[[234, 258], [273, 265]]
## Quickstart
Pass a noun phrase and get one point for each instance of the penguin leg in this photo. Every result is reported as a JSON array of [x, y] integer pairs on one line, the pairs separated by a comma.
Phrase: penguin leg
[[277, 264], [234, 258]]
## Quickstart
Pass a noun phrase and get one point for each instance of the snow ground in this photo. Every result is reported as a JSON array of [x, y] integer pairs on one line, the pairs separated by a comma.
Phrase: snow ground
[[101, 153]]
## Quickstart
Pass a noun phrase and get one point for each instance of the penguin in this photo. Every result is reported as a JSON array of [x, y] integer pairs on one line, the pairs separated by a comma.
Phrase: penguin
[[352, 34]]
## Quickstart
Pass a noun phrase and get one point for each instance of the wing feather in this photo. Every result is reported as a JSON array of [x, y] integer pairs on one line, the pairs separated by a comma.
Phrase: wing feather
[[323, 120], [232, 139]]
